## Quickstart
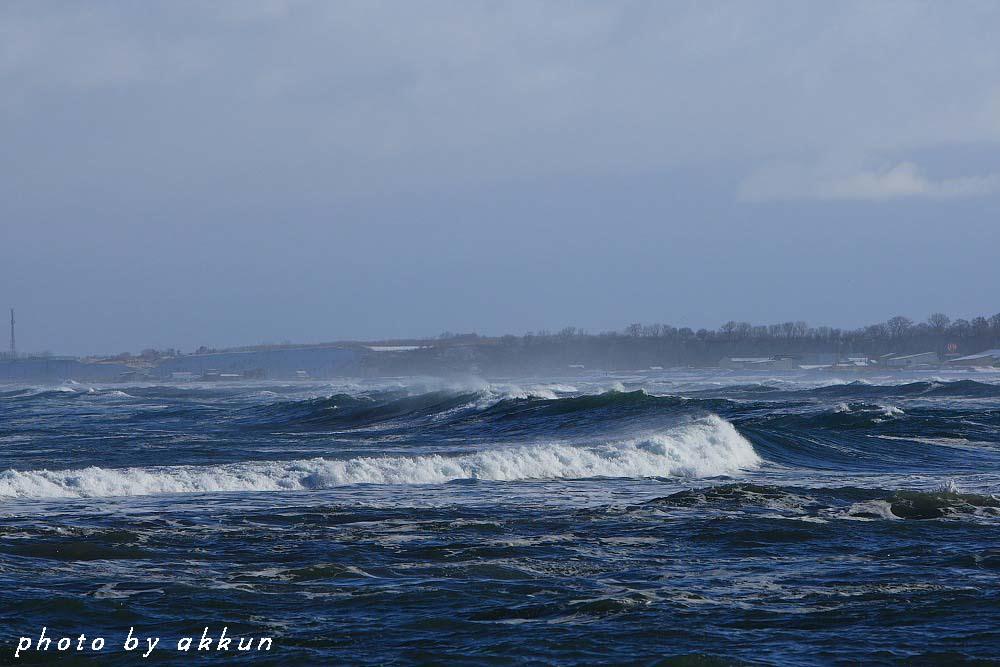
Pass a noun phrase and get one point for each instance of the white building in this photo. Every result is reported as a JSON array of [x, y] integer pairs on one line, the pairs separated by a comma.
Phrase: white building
[[760, 363], [987, 358], [912, 360]]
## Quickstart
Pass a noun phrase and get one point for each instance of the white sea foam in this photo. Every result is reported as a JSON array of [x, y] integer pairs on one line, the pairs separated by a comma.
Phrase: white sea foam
[[871, 510], [113, 394], [498, 392], [958, 443], [490, 393], [949, 486], [706, 447], [884, 410]]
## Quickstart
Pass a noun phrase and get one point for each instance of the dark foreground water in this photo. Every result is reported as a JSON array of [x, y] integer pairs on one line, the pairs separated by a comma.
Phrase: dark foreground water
[[666, 518]]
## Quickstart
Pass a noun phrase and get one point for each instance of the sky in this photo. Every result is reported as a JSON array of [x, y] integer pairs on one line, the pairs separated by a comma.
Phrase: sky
[[177, 174]]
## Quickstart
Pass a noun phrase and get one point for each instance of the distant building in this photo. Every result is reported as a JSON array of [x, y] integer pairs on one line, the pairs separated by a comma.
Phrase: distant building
[[831, 358], [911, 360], [987, 358], [760, 363]]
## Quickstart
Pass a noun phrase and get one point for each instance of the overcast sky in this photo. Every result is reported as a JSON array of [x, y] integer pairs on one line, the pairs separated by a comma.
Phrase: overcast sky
[[187, 173]]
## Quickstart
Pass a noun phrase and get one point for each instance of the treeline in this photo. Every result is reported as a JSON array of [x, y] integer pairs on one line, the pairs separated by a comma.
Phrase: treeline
[[899, 334], [643, 345]]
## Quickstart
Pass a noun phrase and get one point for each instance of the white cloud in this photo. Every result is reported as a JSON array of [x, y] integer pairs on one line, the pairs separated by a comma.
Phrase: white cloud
[[788, 181]]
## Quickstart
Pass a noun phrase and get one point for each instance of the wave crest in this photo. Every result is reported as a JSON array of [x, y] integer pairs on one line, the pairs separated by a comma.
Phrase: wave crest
[[706, 447]]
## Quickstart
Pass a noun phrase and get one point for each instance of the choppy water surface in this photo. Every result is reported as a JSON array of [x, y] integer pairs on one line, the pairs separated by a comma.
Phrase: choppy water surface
[[638, 518]]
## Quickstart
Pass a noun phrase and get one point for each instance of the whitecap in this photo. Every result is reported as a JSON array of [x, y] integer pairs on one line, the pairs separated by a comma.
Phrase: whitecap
[[706, 447]]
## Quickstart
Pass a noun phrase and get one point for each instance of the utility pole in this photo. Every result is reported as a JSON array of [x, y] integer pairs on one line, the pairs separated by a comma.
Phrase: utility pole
[[13, 346]]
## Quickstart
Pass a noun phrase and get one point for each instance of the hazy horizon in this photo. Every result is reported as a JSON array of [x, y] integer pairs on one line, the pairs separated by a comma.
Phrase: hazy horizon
[[447, 334], [234, 173]]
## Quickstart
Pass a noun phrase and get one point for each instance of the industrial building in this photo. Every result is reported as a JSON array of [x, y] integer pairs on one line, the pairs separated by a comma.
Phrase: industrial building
[[987, 358], [904, 361], [760, 363]]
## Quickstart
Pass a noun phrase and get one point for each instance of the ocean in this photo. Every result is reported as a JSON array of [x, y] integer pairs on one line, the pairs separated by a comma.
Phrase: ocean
[[667, 517]]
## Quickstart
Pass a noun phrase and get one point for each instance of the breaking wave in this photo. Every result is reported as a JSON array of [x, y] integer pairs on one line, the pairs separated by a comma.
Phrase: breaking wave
[[924, 388], [345, 411], [707, 447]]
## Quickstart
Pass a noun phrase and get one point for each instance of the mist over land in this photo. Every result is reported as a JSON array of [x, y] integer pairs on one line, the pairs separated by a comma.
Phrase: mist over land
[[896, 344]]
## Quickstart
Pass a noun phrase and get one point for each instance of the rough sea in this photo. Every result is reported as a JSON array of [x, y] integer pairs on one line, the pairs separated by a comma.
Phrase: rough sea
[[689, 518]]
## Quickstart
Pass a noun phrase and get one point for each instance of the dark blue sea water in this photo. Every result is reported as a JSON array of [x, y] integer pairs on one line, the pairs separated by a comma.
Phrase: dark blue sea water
[[661, 518]]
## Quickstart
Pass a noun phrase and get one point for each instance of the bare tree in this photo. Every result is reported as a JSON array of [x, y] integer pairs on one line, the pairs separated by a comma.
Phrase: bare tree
[[939, 321], [899, 326]]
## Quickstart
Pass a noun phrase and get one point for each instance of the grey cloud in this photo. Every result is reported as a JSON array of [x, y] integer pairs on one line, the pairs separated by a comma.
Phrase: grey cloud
[[405, 95]]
